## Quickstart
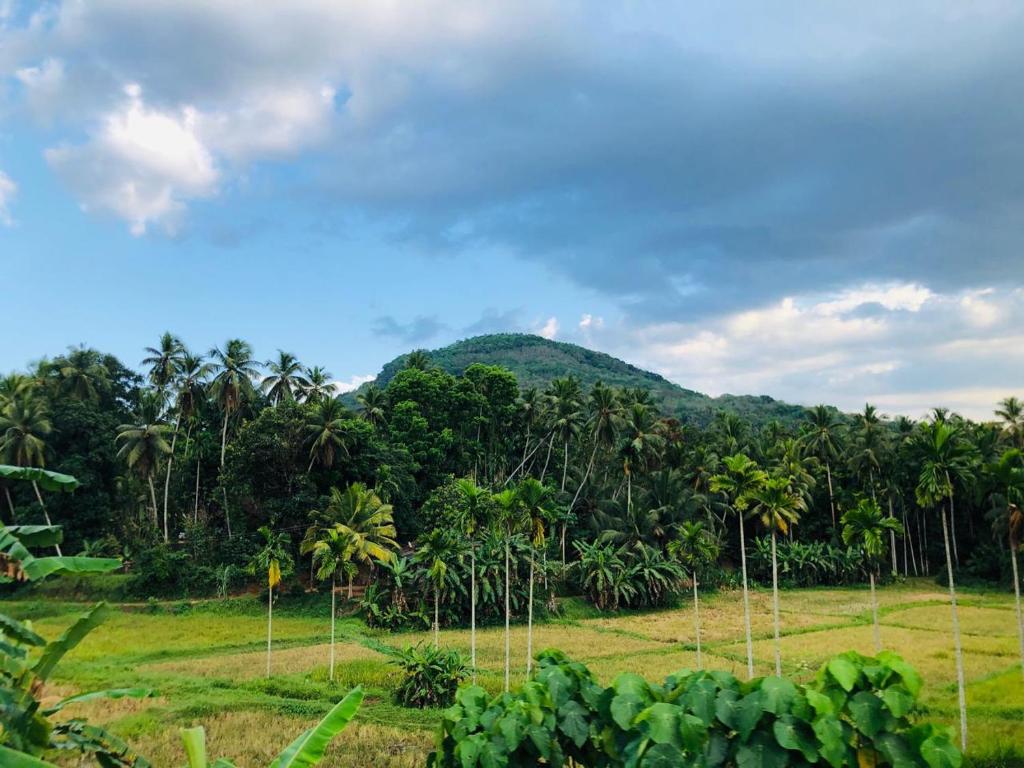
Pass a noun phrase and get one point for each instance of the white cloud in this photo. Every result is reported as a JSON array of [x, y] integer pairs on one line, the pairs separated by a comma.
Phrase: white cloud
[[8, 189], [589, 321], [44, 86], [142, 164], [550, 328], [353, 383]]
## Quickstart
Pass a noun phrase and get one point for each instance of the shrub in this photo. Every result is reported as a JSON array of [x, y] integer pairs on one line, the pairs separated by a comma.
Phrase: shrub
[[636, 576], [430, 675], [162, 571], [807, 564], [855, 713]]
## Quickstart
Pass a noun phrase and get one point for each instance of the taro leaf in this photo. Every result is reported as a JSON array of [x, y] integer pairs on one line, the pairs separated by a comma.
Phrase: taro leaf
[[895, 748], [491, 756], [868, 714], [662, 756], [512, 730], [761, 752], [777, 695], [748, 712], [559, 686], [716, 750], [829, 731], [700, 700], [467, 751], [898, 699], [541, 739], [821, 703], [624, 708], [693, 732], [725, 707], [939, 752], [628, 682], [662, 723], [907, 673], [572, 721], [791, 734], [844, 672]]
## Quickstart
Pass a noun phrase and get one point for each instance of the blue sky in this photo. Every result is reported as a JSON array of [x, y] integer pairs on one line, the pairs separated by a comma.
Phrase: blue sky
[[817, 202]]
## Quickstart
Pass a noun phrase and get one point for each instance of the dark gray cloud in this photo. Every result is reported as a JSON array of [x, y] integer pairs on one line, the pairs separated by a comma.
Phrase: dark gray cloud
[[418, 330], [495, 321]]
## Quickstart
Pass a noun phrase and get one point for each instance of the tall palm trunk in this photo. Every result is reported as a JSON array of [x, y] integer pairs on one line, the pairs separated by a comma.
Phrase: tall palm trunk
[[167, 479], [775, 607], [831, 498], [1016, 595], [746, 603], [10, 502], [508, 612], [46, 514], [696, 618], [565, 464], [529, 620], [961, 695], [195, 507], [270, 623], [547, 458], [152, 497], [437, 616], [892, 540], [874, 613], [223, 448], [952, 519], [472, 609], [334, 616]]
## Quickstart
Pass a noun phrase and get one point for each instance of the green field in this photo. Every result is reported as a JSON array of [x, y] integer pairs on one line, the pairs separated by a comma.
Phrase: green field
[[206, 664]]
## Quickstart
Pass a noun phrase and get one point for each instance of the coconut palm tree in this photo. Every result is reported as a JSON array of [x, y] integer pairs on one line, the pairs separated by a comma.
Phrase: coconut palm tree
[[1007, 477], [332, 550], [80, 374], [143, 445], [286, 380], [605, 413], [534, 498], [564, 395], [508, 520], [24, 427], [372, 403], [1015, 529], [823, 441], [694, 547], [942, 450], [192, 379], [235, 369], [642, 441], [164, 360], [934, 489], [319, 386], [1011, 413], [327, 433], [273, 559], [472, 515], [438, 551], [740, 480], [865, 527], [778, 508], [418, 359]]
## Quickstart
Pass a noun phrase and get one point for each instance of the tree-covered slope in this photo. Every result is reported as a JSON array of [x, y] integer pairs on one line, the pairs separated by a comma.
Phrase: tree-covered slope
[[536, 361]]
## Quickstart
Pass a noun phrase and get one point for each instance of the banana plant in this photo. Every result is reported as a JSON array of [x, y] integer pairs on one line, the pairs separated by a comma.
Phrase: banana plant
[[307, 750]]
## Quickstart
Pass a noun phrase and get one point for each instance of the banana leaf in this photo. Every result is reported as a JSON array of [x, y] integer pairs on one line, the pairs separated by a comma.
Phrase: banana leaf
[[308, 749], [36, 535], [109, 693], [47, 480], [195, 749], [11, 759], [41, 567], [71, 637]]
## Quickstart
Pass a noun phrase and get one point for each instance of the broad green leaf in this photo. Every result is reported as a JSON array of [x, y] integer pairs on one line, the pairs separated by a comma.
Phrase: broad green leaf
[[15, 630], [572, 721], [309, 748], [829, 731], [624, 708], [748, 712], [47, 480], [662, 756], [897, 750], [627, 682], [725, 707], [898, 699], [700, 700], [195, 746], [820, 703], [867, 712], [109, 693], [792, 734], [40, 567], [11, 759], [911, 679], [36, 535], [844, 672], [662, 723], [777, 694], [939, 752], [467, 751], [760, 752], [72, 636]]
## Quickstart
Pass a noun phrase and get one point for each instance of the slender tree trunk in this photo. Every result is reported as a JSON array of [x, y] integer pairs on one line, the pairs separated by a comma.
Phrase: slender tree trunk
[[223, 447], [892, 539], [167, 479], [565, 465], [195, 507], [508, 611], [924, 545], [46, 514], [775, 608], [696, 619], [565, 524], [334, 616], [746, 603], [529, 620], [10, 502], [586, 476], [437, 617], [270, 624], [874, 614], [350, 587], [961, 695], [952, 520], [152, 497], [547, 458], [472, 609], [831, 499], [1016, 595]]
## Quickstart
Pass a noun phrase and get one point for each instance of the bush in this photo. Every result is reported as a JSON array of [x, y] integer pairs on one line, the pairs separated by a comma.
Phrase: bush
[[162, 571], [430, 676], [806, 564], [855, 713], [636, 576]]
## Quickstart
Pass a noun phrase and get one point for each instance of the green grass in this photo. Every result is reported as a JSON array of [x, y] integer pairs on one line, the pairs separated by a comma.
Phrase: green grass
[[206, 663]]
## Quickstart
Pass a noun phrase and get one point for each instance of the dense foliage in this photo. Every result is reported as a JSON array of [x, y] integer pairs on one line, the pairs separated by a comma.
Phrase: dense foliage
[[430, 676], [857, 712]]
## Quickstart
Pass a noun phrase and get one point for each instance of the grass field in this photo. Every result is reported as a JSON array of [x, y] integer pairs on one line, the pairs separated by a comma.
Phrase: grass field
[[206, 664]]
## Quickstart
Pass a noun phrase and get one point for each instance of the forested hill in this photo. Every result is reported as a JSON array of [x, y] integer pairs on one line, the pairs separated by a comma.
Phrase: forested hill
[[536, 361]]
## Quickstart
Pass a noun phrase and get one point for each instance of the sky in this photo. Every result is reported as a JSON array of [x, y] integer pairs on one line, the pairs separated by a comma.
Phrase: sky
[[822, 202]]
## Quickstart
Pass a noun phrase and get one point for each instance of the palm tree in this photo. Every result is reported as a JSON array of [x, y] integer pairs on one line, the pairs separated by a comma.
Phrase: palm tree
[[1007, 475], [822, 440], [694, 547], [274, 560], [319, 386], [285, 381], [164, 360], [642, 440], [193, 373], [437, 550], [372, 402], [1015, 527], [509, 520], [332, 550], [533, 496], [564, 396], [80, 374], [1011, 413], [944, 453], [418, 359], [778, 508], [143, 445], [605, 413], [327, 433], [24, 426], [934, 488], [740, 480], [865, 527], [235, 370], [472, 517]]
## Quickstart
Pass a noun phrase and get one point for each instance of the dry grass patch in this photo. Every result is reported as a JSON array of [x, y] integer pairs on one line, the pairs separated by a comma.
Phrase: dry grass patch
[[989, 622], [287, 661]]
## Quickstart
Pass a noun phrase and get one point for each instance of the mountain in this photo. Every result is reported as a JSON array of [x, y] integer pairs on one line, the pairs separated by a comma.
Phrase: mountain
[[536, 361]]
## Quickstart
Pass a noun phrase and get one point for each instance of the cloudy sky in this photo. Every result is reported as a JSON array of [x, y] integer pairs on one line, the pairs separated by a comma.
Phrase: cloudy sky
[[816, 201]]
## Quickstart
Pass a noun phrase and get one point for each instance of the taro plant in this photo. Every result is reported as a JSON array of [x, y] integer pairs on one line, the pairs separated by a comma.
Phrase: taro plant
[[856, 712], [430, 676]]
